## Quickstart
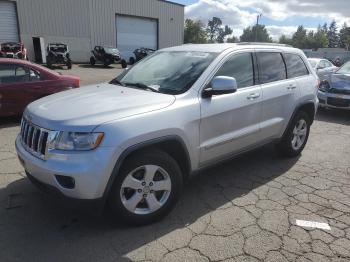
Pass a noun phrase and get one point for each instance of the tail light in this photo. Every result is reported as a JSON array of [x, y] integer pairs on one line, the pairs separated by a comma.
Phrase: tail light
[[77, 82]]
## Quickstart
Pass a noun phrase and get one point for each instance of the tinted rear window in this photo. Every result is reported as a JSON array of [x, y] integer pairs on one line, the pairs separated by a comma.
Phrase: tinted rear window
[[272, 67], [295, 66]]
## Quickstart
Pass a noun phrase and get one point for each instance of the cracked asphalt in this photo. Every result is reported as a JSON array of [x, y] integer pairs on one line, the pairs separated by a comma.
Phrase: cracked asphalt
[[242, 210]]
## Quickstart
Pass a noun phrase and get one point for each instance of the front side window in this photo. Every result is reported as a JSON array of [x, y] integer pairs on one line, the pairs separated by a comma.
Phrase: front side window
[[13, 74], [271, 67], [295, 66], [327, 63], [34, 75], [240, 67], [169, 72], [322, 65]]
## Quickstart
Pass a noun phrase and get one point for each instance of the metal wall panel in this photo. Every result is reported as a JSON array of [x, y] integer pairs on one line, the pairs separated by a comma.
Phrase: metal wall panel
[[8, 22], [83, 24]]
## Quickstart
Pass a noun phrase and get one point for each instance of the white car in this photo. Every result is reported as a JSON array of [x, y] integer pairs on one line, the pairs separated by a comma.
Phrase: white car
[[132, 143], [323, 67]]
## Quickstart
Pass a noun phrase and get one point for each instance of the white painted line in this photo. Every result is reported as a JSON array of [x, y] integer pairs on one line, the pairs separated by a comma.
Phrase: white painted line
[[313, 224]]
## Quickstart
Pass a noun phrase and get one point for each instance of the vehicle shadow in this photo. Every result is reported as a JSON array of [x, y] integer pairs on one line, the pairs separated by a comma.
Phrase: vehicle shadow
[[336, 116], [99, 66], [44, 230], [9, 122]]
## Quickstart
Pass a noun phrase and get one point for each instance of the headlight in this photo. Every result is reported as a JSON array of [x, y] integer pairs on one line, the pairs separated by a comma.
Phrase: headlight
[[74, 141], [324, 86]]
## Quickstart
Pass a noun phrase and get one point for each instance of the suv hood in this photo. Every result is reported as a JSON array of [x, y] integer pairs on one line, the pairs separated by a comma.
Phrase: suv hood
[[340, 81], [84, 108]]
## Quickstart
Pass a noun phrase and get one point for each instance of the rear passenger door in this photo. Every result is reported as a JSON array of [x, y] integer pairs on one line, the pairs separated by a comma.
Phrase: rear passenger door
[[279, 93]]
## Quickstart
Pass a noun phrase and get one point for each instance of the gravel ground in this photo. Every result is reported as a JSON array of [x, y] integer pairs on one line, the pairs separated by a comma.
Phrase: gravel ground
[[243, 210]]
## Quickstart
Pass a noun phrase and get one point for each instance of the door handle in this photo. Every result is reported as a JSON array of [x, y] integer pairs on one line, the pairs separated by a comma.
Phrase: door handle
[[291, 87], [253, 96]]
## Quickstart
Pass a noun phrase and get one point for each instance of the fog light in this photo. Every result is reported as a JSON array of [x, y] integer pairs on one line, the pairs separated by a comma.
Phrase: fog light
[[65, 181]]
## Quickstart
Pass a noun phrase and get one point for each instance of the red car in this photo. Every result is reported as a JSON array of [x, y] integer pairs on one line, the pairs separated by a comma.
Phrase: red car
[[22, 82]]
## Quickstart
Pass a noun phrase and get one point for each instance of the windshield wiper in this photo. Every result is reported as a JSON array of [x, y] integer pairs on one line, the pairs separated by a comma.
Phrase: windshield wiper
[[142, 86], [115, 81]]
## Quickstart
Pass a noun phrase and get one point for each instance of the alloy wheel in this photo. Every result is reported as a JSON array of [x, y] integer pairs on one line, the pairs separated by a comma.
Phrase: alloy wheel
[[299, 134], [145, 189]]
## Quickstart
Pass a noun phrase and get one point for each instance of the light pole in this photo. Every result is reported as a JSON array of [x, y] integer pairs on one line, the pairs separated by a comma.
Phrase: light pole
[[256, 27]]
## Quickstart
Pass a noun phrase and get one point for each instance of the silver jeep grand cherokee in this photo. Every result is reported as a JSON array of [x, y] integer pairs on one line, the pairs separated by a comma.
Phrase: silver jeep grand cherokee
[[132, 143]]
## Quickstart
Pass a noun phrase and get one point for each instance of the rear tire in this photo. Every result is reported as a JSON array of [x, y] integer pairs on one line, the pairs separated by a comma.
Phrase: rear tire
[[131, 61], [124, 63], [146, 210], [69, 65], [296, 135], [92, 61], [48, 62]]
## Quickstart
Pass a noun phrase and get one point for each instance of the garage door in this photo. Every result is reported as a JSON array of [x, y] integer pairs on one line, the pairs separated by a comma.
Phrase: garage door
[[135, 32], [8, 22]]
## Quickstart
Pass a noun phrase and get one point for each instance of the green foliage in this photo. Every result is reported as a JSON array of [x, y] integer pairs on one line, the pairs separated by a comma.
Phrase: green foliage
[[216, 32], [232, 39], [344, 36], [332, 35], [194, 32], [257, 33]]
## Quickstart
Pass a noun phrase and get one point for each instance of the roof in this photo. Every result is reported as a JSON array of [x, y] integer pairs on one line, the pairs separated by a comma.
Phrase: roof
[[218, 48], [170, 2]]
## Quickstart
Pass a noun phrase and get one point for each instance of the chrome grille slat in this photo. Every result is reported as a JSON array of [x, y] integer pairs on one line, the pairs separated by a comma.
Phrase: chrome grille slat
[[33, 138]]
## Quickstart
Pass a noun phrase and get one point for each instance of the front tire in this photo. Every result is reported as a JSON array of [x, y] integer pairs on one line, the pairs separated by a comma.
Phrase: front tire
[[296, 136], [146, 189]]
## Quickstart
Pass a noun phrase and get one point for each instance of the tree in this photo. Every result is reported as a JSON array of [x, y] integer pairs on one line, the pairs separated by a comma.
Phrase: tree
[[232, 39], [332, 35], [300, 38], [194, 32], [223, 32], [344, 36], [320, 38], [214, 28], [260, 31], [216, 32], [285, 40]]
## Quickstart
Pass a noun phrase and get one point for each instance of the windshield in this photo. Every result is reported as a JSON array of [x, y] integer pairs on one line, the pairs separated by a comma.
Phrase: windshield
[[58, 48], [313, 63], [111, 50], [169, 72], [345, 69]]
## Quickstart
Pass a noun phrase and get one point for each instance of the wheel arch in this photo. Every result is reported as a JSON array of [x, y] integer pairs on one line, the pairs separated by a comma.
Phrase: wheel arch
[[172, 145], [308, 107]]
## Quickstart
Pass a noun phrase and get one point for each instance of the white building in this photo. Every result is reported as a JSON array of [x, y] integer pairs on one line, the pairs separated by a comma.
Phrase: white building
[[82, 24]]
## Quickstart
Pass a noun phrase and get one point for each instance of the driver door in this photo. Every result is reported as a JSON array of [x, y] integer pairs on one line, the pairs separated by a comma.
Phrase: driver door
[[231, 123]]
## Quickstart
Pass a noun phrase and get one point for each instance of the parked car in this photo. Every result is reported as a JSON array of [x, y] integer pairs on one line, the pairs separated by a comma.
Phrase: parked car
[[13, 50], [334, 91], [140, 53], [22, 82], [58, 54], [132, 143], [107, 56], [323, 67]]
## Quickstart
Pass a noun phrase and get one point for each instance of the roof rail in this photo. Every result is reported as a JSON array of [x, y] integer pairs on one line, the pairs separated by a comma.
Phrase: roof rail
[[262, 43]]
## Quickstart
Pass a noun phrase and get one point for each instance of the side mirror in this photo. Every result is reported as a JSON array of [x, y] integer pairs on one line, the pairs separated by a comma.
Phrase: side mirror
[[220, 85]]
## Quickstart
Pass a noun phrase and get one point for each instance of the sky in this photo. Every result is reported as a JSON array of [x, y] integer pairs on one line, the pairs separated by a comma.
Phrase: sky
[[279, 16]]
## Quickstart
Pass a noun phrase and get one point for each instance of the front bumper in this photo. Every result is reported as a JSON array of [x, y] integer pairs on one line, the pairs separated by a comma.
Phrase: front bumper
[[333, 100], [90, 170]]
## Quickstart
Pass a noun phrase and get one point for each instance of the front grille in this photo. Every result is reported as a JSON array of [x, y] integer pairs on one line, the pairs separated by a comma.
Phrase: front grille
[[339, 102], [34, 138], [10, 56]]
